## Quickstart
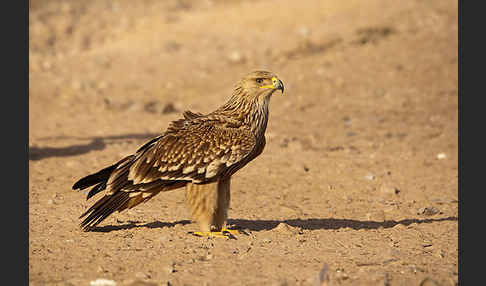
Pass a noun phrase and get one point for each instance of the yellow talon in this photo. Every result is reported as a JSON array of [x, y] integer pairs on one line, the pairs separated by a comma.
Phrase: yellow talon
[[231, 231], [222, 234]]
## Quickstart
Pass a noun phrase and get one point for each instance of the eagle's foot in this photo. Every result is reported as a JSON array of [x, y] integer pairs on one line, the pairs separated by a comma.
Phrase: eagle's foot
[[221, 234], [231, 231]]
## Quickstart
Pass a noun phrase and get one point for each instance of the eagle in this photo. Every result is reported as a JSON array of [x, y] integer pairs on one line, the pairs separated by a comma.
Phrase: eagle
[[199, 152]]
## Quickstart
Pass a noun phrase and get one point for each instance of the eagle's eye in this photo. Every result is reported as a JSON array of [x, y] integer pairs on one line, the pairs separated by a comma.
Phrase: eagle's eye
[[259, 80]]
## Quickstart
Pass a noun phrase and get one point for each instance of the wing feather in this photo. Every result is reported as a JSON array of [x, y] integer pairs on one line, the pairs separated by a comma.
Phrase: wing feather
[[196, 149]]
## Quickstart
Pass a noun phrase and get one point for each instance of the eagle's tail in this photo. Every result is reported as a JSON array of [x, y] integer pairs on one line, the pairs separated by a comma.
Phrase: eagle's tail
[[125, 199], [107, 204], [123, 194], [98, 179], [103, 208]]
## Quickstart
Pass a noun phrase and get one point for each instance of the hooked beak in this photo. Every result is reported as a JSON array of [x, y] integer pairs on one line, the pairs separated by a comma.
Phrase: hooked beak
[[278, 84]]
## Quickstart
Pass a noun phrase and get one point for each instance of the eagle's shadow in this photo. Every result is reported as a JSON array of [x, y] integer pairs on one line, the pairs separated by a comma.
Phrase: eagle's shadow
[[330, 223], [307, 224], [96, 143]]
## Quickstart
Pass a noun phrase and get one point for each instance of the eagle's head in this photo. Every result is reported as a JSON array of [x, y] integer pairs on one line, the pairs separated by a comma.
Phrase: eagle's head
[[260, 84], [250, 99]]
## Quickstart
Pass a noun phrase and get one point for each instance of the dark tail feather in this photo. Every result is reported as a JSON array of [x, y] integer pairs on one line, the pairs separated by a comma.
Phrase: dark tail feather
[[95, 178], [103, 208], [98, 179], [96, 189]]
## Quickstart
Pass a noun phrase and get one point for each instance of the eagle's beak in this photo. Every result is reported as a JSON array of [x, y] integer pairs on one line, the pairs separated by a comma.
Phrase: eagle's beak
[[278, 84]]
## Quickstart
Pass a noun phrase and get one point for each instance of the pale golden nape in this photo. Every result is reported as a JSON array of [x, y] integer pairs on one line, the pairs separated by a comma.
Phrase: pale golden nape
[[199, 152]]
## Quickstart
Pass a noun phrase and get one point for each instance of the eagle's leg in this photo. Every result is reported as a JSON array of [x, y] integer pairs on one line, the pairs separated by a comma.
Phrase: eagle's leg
[[209, 205], [224, 196]]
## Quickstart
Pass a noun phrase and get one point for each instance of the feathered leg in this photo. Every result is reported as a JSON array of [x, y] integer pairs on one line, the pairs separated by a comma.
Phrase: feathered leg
[[221, 215], [223, 201], [209, 205]]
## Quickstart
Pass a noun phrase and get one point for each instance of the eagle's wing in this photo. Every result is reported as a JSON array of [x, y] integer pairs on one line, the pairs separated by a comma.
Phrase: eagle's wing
[[198, 150]]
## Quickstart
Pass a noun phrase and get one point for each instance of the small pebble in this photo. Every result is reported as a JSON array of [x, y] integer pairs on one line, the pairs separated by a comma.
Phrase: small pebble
[[440, 253], [207, 257], [71, 164], [46, 65], [428, 211], [304, 31], [377, 216], [389, 189], [152, 106], [429, 282], [141, 283], [169, 108], [285, 228], [341, 275], [441, 156], [172, 46], [369, 177], [399, 226], [236, 57], [141, 275], [347, 120], [102, 282], [170, 268]]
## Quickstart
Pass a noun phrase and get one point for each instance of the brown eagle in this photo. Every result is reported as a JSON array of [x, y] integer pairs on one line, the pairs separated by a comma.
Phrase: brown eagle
[[199, 152]]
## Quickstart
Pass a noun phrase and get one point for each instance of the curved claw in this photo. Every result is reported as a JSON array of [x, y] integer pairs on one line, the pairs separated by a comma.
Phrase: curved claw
[[221, 234]]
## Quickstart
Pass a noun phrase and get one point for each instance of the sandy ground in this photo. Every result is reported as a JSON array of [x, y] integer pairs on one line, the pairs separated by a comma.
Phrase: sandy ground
[[360, 170]]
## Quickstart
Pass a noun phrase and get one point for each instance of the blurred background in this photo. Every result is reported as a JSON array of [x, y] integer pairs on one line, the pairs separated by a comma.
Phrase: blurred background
[[167, 55]]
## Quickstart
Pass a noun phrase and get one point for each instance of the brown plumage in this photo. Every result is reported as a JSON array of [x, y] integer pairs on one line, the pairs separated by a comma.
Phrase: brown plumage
[[199, 152]]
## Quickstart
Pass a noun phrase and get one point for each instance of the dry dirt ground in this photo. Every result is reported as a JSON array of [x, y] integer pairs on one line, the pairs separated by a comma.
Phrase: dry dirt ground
[[360, 171]]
